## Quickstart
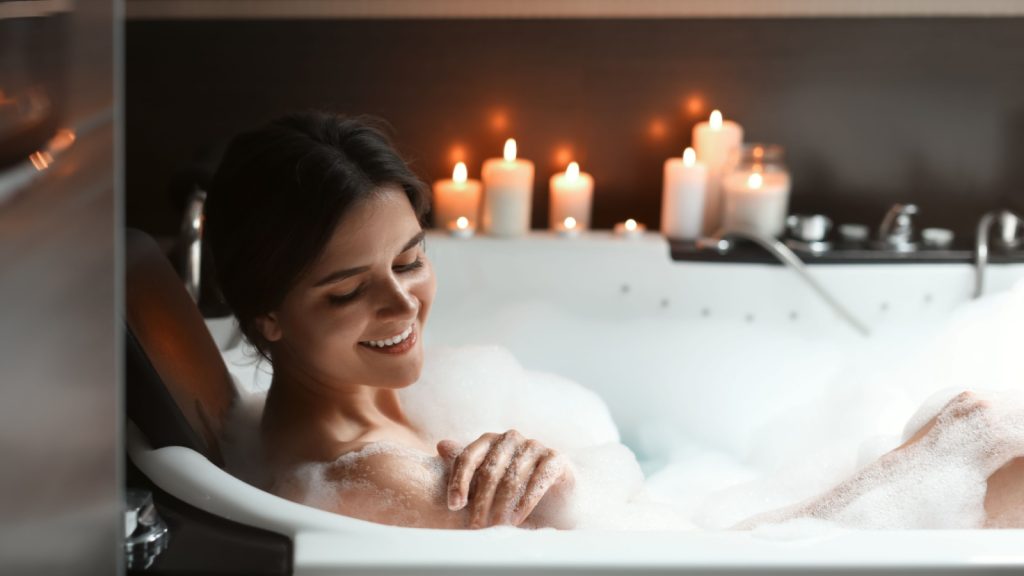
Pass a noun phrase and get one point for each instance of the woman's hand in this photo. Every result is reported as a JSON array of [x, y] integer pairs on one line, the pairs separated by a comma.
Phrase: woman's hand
[[502, 477]]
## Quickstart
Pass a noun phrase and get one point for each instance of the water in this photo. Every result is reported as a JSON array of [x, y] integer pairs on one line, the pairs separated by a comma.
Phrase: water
[[733, 422]]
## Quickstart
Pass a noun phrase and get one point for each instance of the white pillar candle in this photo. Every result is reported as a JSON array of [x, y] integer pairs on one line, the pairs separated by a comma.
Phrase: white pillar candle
[[682, 196], [456, 198], [508, 193], [716, 141], [572, 193], [756, 202]]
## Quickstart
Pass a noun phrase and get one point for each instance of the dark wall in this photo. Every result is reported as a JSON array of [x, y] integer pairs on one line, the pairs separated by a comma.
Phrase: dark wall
[[871, 111]]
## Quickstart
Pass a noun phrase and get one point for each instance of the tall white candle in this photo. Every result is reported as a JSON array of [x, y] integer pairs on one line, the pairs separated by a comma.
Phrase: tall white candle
[[508, 193], [756, 202], [456, 197], [682, 196], [717, 142], [572, 194]]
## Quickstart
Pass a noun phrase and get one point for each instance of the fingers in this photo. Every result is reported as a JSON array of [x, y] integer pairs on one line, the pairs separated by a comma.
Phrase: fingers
[[491, 471], [549, 469], [448, 450], [513, 485], [463, 470]]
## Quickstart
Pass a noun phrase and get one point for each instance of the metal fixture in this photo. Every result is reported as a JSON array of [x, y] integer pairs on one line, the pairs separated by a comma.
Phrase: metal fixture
[[852, 235], [146, 534], [937, 238], [897, 229], [1010, 235], [721, 242], [191, 241], [809, 232]]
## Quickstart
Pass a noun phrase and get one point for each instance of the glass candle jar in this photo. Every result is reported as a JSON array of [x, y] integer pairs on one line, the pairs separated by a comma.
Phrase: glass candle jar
[[756, 191]]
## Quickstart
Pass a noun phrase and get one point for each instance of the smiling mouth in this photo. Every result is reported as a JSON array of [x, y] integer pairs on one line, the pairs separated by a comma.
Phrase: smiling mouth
[[397, 344]]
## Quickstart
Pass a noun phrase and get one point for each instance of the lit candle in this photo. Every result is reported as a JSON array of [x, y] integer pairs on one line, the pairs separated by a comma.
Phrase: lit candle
[[682, 196], [508, 193], [461, 227], [716, 141], [630, 229], [459, 196], [756, 202], [572, 193], [568, 227]]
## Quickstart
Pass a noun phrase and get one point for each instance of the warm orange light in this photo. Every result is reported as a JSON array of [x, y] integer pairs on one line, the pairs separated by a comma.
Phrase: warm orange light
[[715, 120], [572, 172], [563, 155], [459, 174], [630, 225], [457, 153], [499, 120], [758, 152], [569, 223], [755, 180], [40, 159], [694, 106], [657, 129], [61, 141], [689, 156], [510, 150], [462, 223]]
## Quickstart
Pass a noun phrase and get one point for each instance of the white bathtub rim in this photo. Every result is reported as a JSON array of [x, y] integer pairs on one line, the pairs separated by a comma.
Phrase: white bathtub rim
[[325, 541]]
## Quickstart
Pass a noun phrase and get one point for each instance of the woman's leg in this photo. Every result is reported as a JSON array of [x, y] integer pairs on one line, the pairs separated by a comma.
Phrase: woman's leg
[[1004, 501]]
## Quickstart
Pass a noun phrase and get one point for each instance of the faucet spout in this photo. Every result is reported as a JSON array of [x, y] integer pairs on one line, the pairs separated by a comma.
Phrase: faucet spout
[[789, 258]]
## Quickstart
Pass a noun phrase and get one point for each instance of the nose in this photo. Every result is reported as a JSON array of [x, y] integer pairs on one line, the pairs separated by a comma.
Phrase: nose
[[397, 302]]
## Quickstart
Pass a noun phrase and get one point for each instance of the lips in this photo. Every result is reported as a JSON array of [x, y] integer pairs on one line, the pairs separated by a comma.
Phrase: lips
[[398, 344]]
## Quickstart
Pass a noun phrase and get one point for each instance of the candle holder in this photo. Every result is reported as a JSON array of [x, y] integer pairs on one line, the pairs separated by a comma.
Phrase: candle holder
[[630, 229], [756, 192], [461, 228]]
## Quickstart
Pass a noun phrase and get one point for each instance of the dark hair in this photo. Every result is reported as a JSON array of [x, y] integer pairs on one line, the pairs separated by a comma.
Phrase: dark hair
[[278, 194]]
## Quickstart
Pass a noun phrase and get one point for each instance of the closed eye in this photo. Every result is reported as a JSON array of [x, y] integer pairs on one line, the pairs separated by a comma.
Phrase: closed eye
[[414, 265]]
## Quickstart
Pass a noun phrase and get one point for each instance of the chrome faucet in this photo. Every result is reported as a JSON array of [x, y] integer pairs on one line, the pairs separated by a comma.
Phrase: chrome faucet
[[789, 258], [1011, 231], [191, 241], [897, 229]]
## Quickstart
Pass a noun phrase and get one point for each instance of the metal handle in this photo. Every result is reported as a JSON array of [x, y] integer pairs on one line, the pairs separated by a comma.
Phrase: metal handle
[[897, 229], [146, 534]]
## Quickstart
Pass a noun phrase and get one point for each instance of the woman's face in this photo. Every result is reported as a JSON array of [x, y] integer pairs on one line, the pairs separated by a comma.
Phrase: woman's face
[[357, 317]]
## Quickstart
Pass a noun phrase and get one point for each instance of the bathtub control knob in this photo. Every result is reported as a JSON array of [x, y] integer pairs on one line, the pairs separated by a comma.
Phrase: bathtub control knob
[[146, 534]]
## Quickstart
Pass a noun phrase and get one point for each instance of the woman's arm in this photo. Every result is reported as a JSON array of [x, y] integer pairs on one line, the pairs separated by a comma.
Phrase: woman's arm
[[499, 479]]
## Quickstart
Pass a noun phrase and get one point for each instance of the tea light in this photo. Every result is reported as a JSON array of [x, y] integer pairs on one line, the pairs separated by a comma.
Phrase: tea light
[[461, 228], [630, 229], [569, 228], [572, 192], [508, 193], [457, 197], [682, 196], [716, 142]]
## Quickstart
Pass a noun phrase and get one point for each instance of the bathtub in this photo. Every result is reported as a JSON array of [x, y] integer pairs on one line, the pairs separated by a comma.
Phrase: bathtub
[[525, 294]]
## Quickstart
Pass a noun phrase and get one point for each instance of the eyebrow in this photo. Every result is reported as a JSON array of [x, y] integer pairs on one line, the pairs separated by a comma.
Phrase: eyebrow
[[339, 275]]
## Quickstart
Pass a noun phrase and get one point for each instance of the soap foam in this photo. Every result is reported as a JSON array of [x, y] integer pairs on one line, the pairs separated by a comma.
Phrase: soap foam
[[726, 442]]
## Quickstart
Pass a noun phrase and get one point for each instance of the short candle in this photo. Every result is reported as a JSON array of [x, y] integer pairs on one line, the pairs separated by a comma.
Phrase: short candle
[[457, 197], [683, 191], [572, 193]]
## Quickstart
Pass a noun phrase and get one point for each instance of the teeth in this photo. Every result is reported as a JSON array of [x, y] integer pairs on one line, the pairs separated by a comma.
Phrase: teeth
[[390, 341]]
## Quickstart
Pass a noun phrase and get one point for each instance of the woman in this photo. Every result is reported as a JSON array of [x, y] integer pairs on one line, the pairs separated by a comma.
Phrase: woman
[[314, 223]]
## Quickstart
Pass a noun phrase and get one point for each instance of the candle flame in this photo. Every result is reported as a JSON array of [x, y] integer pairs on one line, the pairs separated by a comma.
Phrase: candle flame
[[755, 180], [572, 172], [510, 150], [460, 173], [631, 224], [689, 156], [462, 222], [570, 223], [715, 120]]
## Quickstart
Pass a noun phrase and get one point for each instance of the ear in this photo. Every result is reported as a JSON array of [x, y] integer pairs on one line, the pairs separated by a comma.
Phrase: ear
[[268, 327]]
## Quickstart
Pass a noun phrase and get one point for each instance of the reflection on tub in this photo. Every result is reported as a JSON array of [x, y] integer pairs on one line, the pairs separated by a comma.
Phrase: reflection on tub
[[735, 422]]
